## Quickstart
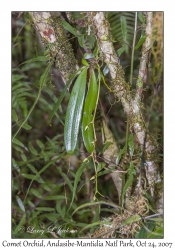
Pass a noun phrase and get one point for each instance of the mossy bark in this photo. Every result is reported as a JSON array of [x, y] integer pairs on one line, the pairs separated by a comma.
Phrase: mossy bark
[[54, 38], [131, 105]]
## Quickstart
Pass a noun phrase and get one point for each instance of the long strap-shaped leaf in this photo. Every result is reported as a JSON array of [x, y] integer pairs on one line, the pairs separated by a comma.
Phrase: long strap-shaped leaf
[[74, 112], [57, 104], [87, 120]]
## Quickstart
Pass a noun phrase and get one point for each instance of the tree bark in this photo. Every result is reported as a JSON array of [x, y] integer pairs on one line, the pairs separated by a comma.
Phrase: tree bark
[[51, 32], [132, 106]]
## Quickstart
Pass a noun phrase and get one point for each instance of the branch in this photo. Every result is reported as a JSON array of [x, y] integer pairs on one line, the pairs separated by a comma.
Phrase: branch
[[122, 90], [53, 37]]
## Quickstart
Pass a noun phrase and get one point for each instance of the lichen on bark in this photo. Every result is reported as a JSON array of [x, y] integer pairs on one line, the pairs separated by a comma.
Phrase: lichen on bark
[[54, 38], [131, 106]]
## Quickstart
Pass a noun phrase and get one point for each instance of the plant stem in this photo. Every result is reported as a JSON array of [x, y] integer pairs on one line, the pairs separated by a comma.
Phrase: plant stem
[[131, 76], [133, 46]]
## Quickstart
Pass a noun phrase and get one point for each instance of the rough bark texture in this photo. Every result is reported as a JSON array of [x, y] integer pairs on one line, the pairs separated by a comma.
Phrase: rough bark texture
[[122, 90], [53, 37]]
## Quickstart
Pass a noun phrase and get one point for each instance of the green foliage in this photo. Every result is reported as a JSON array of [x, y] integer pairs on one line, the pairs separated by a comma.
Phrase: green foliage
[[122, 28], [131, 144], [77, 179], [141, 40], [90, 104], [151, 228], [74, 111], [131, 219], [49, 187], [58, 102], [68, 27], [131, 173]]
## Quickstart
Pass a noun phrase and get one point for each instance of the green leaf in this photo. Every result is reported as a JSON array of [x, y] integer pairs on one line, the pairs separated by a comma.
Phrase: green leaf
[[20, 203], [151, 208], [40, 144], [21, 223], [65, 178], [141, 40], [17, 142], [54, 197], [90, 104], [18, 148], [158, 233], [143, 232], [36, 59], [84, 62], [126, 186], [77, 179], [129, 181], [108, 210], [96, 217], [96, 51], [30, 203], [55, 108], [100, 166], [46, 187], [107, 171], [83, 211], [28, 176], [31, 176], [36, 193], [51, 216], [32, 149], [106, 146], [95, 203], [81, 41], [59, 209], [74, 112], [15, 165], [131, 170], [24, 157], [121, 152], [131, 219], [16, 79], [131, 144], [121, 50], [14, 115], [50, 92], [45, 209], [90, 40], [44, 75], [141, 17], [68, 27], [33, 169], [24, 125], [123, 27]]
